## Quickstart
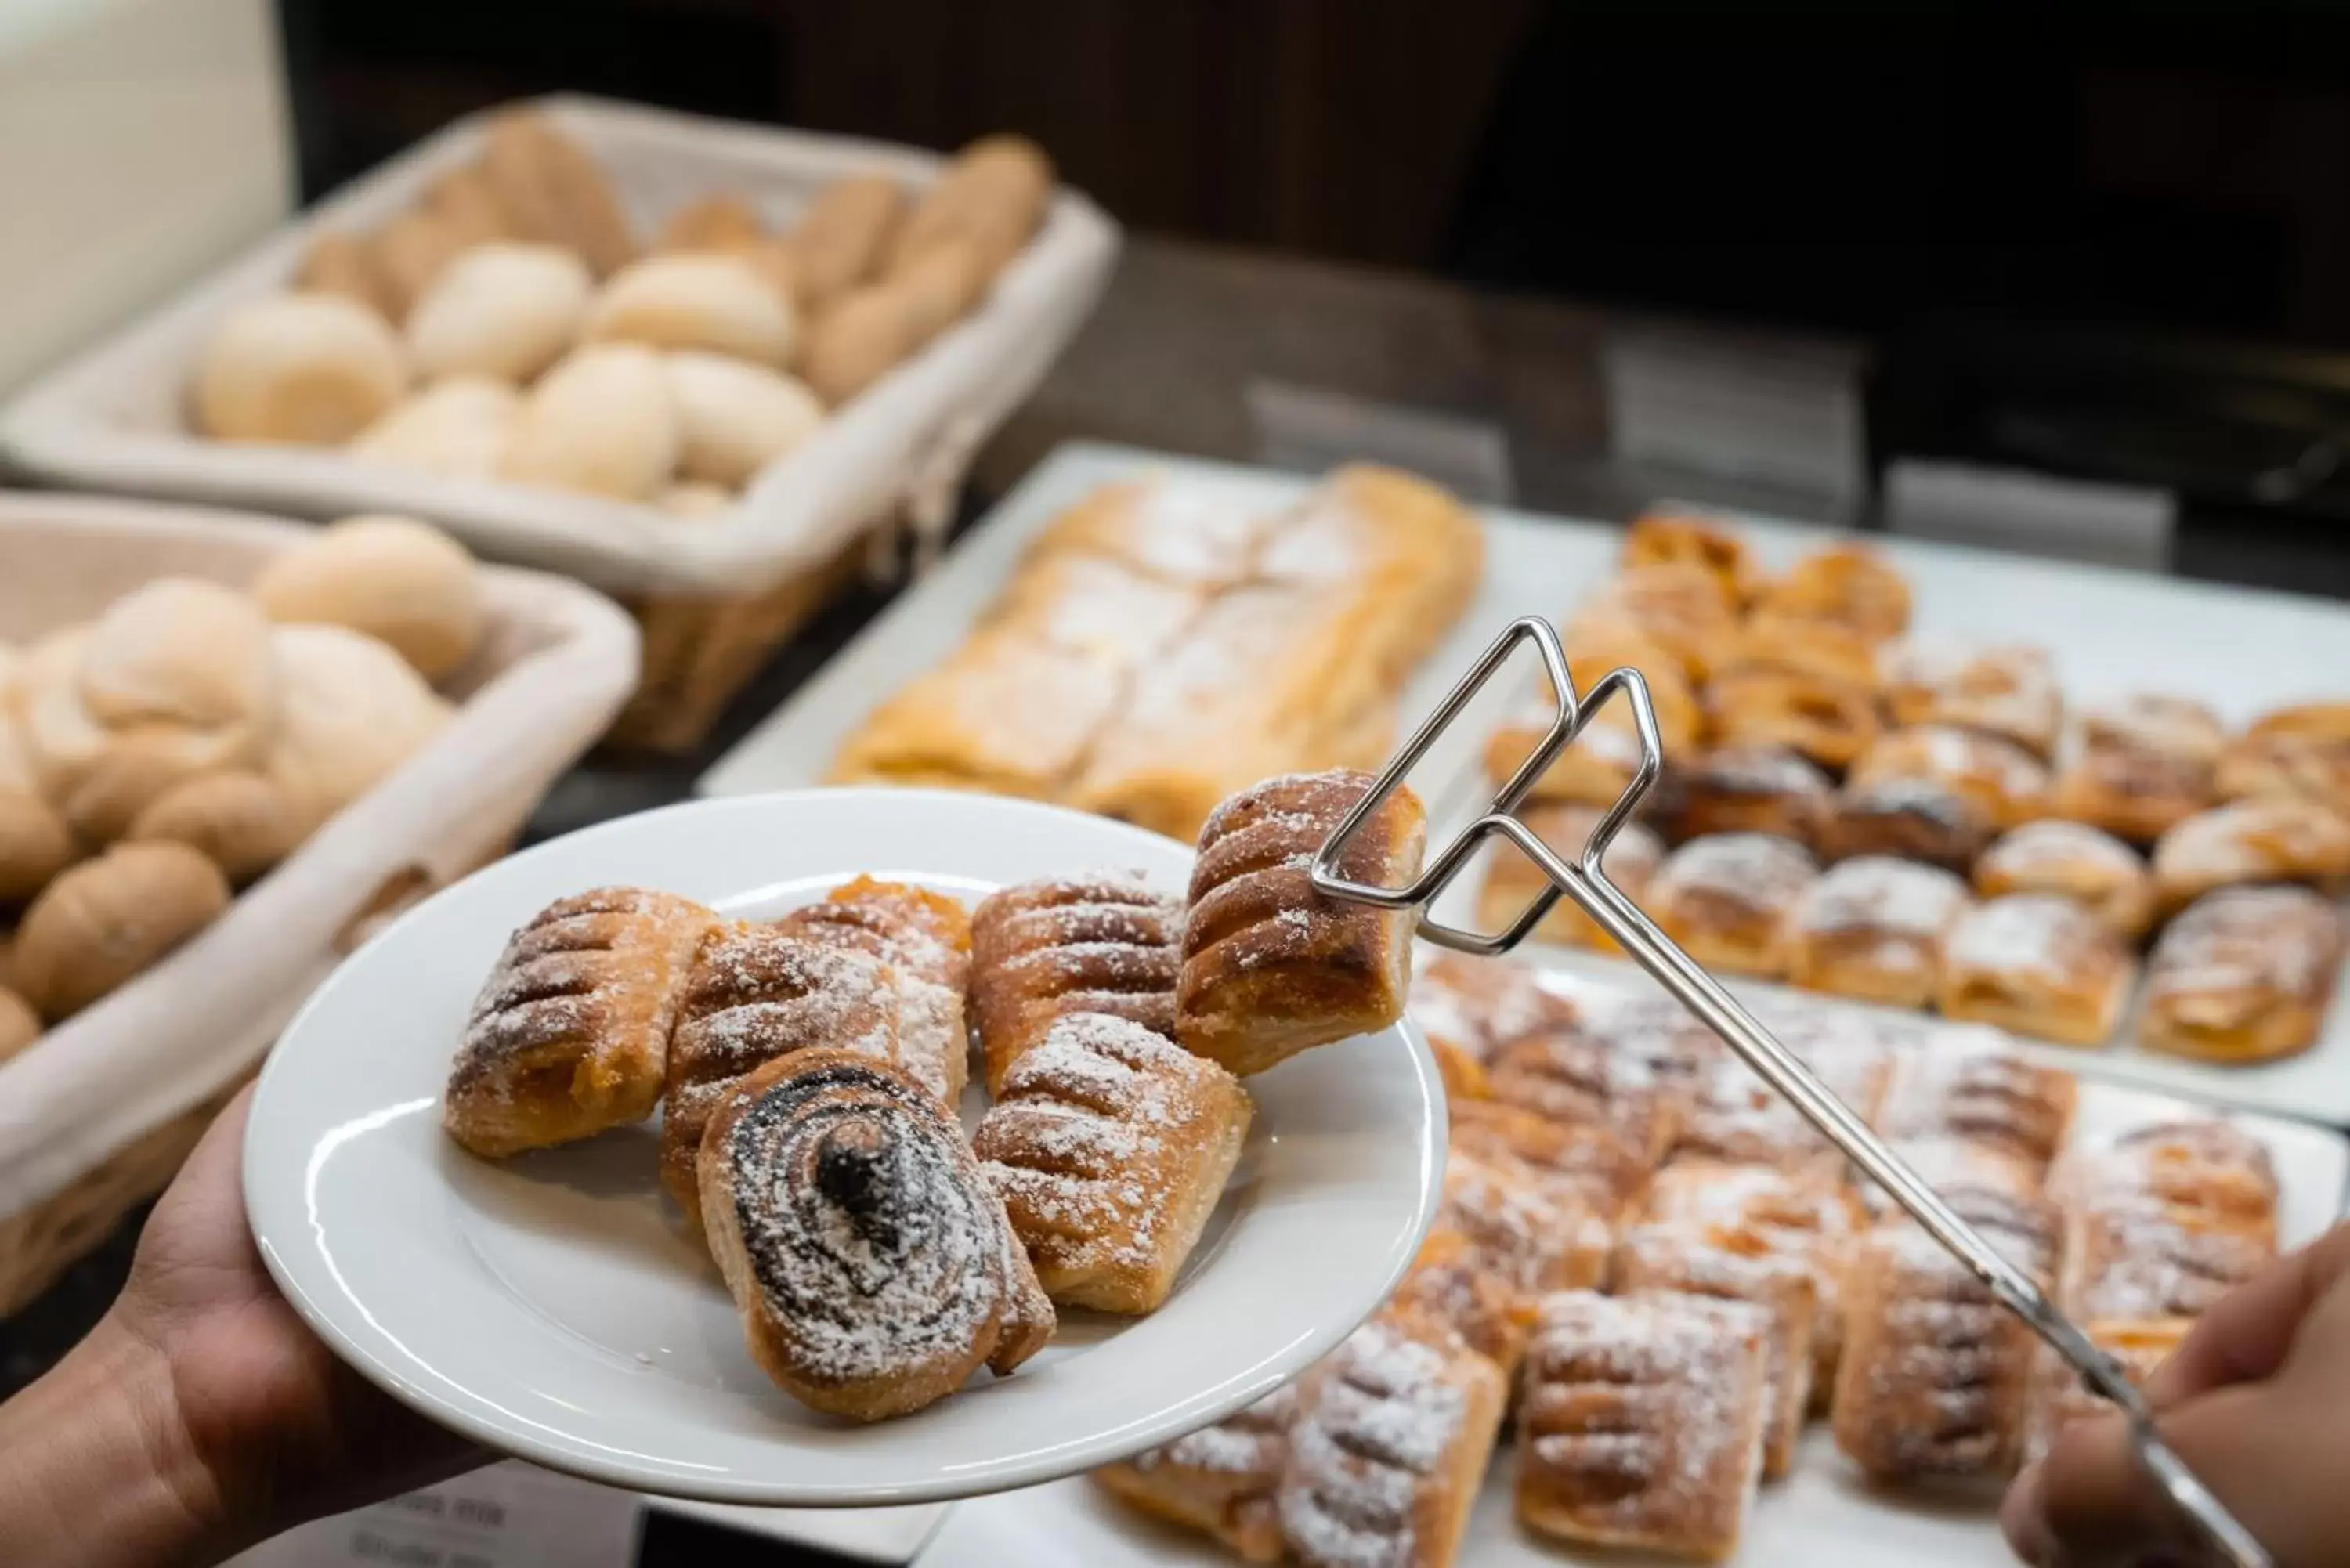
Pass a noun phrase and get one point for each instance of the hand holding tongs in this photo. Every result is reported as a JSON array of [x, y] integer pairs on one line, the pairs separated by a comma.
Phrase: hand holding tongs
[[1586, 883]]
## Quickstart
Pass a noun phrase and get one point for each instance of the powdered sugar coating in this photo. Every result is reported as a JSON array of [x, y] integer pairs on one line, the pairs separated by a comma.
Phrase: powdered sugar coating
[[2043, 935], [2153, 722], [2026, 854], [1382, 1415], [1879, 893], [2262, 940], [1759, 870]]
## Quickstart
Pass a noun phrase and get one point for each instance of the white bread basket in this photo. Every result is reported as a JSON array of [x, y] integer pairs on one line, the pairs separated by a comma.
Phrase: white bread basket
[[96, 1114], [112, 417]]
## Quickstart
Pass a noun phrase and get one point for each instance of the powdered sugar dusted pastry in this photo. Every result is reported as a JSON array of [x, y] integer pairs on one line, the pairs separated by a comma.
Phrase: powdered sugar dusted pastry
[[1270, 966], [757, 993], [2205, 1166], [2300, 752], [1847, 585], [1110, 1146], [1823, 648], [924, 937], [1937, 1375], [2085, 864], [1915, 819], [873, 1266], [1874, 928], [2243, 975], [2130, 1258], [1175, 533], [1751, 789], [1681, 608], [1965, 1085], [1586, 1163], [1447, 1283], [1829, 720], [1601, 759], [2141, 763], [2005, 784], [1392, 1434], [1592, 1076], [1595, 770], [2274, 840], [2038, 964], [1528, 1234], [1643, 1422], [1478, 1006], [1512, 881], [2060, 1398], [1725, 899], [1732, 1116], [570, 1033], [1725, 1266], [1218, 1479], [2008, 690], [1102, 943], [1688, 539]]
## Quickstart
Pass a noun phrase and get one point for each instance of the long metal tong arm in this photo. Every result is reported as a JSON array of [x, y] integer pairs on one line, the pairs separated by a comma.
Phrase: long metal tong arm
[[1586, 883]]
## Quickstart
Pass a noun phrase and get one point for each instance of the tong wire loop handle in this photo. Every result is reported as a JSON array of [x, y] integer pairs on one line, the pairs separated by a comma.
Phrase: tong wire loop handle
[[1585, 882]]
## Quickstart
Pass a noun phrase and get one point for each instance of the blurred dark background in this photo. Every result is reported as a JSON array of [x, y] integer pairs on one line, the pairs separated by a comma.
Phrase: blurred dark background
[[2108, 240]]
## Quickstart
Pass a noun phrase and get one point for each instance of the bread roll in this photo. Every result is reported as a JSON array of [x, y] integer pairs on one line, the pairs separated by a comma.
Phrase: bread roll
[[994, 193], [105, 921], [349, 710], [238, 820], [462, 200], [16, 766], [181, 650], [696, 300], [408, 252], [505, 309], [860, 340], [941, 284], [457, 428], [778, 267], [720, 223], [840, 239], [600, 421], [736, 418], [35, 844], [19, 1025], [310, 368], [338, 262], [403, 582], [61, 741], [695, 498], [551, 189], [139, 762]]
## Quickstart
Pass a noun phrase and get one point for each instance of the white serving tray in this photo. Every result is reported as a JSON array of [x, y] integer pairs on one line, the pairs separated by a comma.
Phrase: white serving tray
[[1822, 1514], [111, 418], [2112, 632]]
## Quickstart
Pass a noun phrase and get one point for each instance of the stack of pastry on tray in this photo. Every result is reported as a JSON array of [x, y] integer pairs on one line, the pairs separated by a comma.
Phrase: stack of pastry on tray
[[1926, 826], [1653, 1274], [1160, 646], [808, 1071]]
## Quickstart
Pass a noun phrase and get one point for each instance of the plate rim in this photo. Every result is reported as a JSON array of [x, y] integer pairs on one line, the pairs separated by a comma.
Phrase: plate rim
[[517, 1441]]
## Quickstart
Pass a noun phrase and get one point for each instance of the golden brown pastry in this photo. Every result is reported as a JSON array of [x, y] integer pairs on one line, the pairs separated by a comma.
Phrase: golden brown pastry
[[872, 1264], [993, 195], [1844, 584], [1393, 1431], [2006, 690], [925, 938], [1936, 1378], [754, 994], [1447, 1282], [1830, 722], [1725, 899], [2141, 764], [1590, 1073], [1687, 539], [506, 309], [715, 303], [239, 820], [2036, 964], [2060, 1398], [1595, 768], [2136, 1258], [310, 369], [1110, 1146], [19, 1025], [401, 582], [601, 422], [1582, 1164], [1511, 881], [1733, 1118], [2243, 975], [1910, 819], [841, 237], [1219, 1479], [1682, 608], [2085, 864], [1159, 529], [1642, 1422], [1964, 1084], [1655, 1259], [2303, 751], [1599, 763], [570, 1033], [1751, 789], [1094, 606], [1270, 966], [735, 418], [2203, 1168], [2274, 839], [1043, 951], [1534, 1236], [457, 428], [98, 924], [1822, 649], [1477, 1005], [1873, 927], [35, 844], [547, 187], [2006, 783]]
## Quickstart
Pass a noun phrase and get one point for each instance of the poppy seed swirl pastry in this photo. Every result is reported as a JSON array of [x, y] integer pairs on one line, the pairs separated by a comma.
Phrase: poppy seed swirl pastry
[[873, 1264]]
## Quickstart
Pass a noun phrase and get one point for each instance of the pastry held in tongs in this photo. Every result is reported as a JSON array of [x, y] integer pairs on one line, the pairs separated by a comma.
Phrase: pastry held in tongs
[[2002, 1281]]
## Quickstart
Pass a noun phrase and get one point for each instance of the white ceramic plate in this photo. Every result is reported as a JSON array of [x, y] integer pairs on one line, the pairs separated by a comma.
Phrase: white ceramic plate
[[550, 1307], [1822, 1516]]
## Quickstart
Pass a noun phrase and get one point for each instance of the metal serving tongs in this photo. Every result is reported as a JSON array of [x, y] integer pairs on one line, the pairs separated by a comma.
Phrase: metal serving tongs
[[1586, 883]]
